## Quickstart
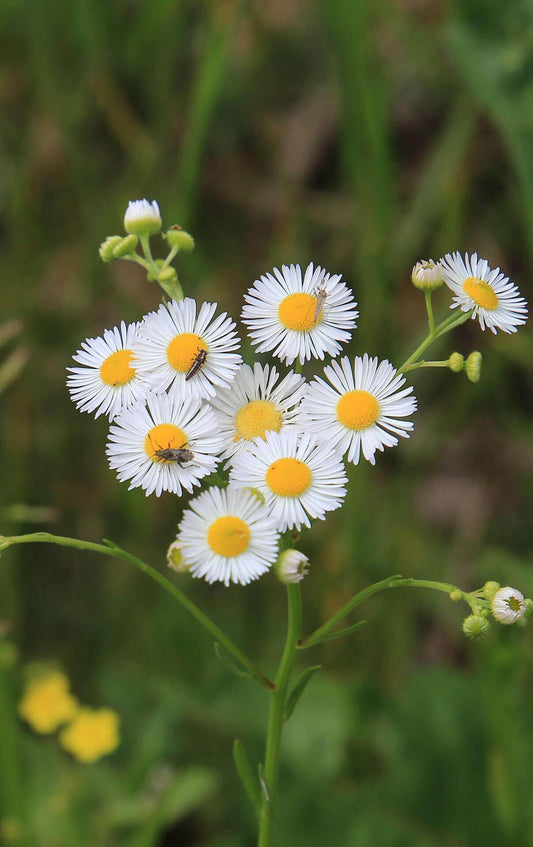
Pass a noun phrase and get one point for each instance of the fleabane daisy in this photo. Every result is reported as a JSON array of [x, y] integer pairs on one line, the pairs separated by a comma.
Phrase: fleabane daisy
[[227, 535], [496, 302], [299, 478], [256, 403], [165, 443], [362, 408], [299, 317], [508, 605], [190, 353], [142, 217], [108, 380]]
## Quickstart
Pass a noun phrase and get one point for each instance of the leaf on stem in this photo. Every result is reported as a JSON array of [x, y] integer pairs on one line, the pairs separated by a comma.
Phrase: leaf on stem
[[299, 688], [246, 775], [264, 784], [225, 657], [340, 633]]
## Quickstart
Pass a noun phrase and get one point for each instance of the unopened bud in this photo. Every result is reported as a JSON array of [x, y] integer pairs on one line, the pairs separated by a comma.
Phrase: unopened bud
[[107, 247], [127, 246], [473, 366], [456, 362], [142, 217], [176, 237], [489, 589], [508, 605], [456, 595], [427, 275], [475, 626], [175, 558], [292, 566]]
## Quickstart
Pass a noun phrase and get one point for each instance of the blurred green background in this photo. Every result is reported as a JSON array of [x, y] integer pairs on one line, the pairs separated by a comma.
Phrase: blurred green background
[[361, 136]]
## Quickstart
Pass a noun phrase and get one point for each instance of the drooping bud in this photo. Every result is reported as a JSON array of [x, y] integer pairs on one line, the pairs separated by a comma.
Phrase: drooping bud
[[427, 275], [475, 626], [142, 217], [508, 605], [175, 558], [107, 247], [473, 366], [292, 566], [177, 238], [456, 362]]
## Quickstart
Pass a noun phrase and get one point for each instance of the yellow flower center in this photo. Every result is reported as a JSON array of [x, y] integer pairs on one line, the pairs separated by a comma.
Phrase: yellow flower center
[[116, 369], [297, 311], [163, 437], [288, 477], [358, 409], [481, 293], [228, 536], [257, 418], [183, 350]]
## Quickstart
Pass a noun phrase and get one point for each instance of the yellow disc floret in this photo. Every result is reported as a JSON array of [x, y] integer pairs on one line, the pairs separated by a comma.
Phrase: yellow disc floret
[[183, 350], [257, 418], [92, 734], [164, 437], [228, 536], [288, 477], [481, 293], [297, 311], [47, 702], [358, 409], [116, 369]]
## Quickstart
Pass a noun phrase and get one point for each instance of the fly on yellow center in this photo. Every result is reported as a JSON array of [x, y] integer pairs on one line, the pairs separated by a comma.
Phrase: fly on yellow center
[[228, 536], [358, 409], [481, 293], [288, 477], [297, 311], [183, 350], [116, 369], [256, 419], [164, 437]]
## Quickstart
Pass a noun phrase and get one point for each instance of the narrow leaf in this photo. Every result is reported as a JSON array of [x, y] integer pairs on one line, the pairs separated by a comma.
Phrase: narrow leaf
[[264, 784], [225, 657], [340, 633], [246, 775], [299, 688]]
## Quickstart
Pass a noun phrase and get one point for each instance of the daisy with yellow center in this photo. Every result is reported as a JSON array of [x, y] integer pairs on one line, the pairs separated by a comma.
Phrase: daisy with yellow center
[[92, 734], [299, 316], [493, 299], [47, 702], [227, 535], [188, 352], [361, 411], [299, 478], [108, 380], [256, 404], [165, 443]]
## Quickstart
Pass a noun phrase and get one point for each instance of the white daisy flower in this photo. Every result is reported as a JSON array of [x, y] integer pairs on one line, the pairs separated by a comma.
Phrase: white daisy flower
[[496, 302], [189, 353], [361, 409], [142, 217], [255, 405], [109, 380], [227, 535], [299, 318], [298, 478], [508, 605], [165, 443]]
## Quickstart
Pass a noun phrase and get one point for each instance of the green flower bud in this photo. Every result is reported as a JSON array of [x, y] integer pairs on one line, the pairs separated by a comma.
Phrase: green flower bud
[[473, 366], [176, 237], [427, 275], [489, 589], [107, 247], [292, 566], [126, 247], [168, 275], [526, 617], [475, 626], [456, 362], [142, 217], [456, 595], [175, 558]]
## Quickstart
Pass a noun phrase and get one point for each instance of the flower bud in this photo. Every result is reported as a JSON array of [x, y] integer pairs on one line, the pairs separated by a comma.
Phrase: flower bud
[[107, 247], [489, 589], [475, 626], [177, 238], [508, 605], [142, 217], [126, 247], [175, 558], [427, 275], [292, 566], [473, 366], [456, 362], [456, 595]]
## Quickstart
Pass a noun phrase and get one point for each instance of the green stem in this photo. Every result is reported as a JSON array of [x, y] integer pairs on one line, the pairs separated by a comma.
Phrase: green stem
[[390, 582], [276, 716], [444, 363], [118, 553], [429, 308], [448, 324]]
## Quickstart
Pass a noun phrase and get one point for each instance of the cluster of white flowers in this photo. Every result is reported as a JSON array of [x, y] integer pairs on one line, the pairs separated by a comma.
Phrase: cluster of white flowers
[[180, 401]]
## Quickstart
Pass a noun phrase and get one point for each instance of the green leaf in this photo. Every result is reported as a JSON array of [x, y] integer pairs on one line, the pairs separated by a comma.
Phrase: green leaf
[[225, 657], [340, 633], [246, 775], [299, 688]]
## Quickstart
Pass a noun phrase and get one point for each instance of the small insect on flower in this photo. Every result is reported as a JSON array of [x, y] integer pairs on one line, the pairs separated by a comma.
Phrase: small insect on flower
[[170, 454], [321, 295], [199, 362]]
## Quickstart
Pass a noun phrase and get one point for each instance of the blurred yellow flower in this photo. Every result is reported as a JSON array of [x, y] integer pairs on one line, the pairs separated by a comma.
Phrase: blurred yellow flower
[[91, 734], [47, 702]]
